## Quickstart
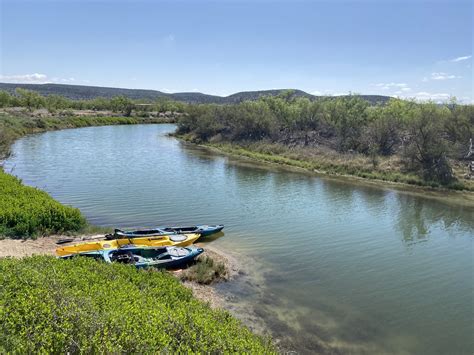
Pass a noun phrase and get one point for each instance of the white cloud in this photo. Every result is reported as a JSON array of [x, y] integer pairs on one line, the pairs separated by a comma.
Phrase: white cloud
[[442, 76], [35, 78], [327, 93], [460, 59], [388, 86], [403, 91], [426, 96]]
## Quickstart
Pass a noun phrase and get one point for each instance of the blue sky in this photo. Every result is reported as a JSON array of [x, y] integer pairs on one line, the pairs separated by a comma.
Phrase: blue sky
[[411, 48]]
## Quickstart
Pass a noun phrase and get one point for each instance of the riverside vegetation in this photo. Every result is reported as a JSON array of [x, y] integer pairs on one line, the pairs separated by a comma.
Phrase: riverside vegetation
[[400, 141], [75, 306]]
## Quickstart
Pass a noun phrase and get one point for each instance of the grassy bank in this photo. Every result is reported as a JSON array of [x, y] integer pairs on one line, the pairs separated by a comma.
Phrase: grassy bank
[[26, 211], [420, 144], [49, 305]]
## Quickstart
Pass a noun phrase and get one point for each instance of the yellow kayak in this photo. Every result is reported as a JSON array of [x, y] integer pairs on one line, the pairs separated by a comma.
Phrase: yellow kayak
[[181, 240]]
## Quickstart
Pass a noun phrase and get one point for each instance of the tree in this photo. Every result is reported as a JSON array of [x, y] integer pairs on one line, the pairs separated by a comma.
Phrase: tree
[[122, 104], [348, 115], [30, 99], [5, 99], [427, 147]]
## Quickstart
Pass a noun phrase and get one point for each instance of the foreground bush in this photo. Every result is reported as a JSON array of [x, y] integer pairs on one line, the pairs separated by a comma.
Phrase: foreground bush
[[26, 211], [50, 305]]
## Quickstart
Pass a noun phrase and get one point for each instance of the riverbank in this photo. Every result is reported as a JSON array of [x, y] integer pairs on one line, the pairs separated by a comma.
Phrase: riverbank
[[20, 248], [328, 167]]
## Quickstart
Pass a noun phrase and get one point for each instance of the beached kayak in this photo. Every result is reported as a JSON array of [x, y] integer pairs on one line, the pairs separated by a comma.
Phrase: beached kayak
[[153, 241], [202, 229], [142, 257]]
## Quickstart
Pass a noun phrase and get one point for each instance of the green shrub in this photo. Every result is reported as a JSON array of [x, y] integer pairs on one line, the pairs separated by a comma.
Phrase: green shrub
[[205, 271], [26, 211], [49, 305]]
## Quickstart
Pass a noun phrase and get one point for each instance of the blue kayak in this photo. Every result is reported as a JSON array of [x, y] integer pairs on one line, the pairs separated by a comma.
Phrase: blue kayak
[[202, 229], [142, 257]]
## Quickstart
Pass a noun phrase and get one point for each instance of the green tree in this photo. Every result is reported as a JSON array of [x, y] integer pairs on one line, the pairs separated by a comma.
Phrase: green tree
[[427, 148], [5, 99], [30, 99]]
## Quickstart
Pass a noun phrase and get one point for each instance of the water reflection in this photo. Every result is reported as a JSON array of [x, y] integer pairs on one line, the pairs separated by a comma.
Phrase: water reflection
[[415, 218]]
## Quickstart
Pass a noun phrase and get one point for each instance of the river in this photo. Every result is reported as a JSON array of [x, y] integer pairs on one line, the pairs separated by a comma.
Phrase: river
[[335, 266]]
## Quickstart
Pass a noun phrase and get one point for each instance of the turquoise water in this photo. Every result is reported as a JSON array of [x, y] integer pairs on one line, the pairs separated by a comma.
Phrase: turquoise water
[[334, 266]]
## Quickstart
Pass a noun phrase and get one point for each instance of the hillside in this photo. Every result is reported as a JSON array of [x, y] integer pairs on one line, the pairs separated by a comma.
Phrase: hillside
[[79, 92]]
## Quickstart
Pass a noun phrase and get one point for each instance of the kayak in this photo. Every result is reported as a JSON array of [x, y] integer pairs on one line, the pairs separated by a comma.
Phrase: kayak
[[153, 241], [142, 257], [202, 229]]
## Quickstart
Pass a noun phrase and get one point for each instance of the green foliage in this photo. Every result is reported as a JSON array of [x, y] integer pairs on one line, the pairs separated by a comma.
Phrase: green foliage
[[205, 271], [26, 211], [30, 99], [426, 135], [119, 104], [50, 305], [426, 149]]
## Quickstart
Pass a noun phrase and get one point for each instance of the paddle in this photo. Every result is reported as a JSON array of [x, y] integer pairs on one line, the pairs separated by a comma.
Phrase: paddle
[[69, 240]]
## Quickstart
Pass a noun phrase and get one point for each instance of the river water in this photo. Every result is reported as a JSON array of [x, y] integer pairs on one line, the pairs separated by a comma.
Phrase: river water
[[335, 266]]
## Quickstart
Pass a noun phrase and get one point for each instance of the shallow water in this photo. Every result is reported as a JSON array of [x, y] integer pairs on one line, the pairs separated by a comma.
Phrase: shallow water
[[336, 266]]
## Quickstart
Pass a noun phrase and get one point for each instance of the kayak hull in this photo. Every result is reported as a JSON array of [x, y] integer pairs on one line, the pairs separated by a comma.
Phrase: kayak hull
[[144, 257], [152, 241], [203, 230]]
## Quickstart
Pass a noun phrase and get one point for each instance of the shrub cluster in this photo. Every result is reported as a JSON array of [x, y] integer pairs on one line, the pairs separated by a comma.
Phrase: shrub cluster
[[26, 211], [49, 305], [425, 135], [53, 103], [205, 271]]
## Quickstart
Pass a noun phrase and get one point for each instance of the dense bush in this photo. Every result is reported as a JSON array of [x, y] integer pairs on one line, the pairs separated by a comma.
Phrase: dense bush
[[424, 135], [49, 305], [26, 211]]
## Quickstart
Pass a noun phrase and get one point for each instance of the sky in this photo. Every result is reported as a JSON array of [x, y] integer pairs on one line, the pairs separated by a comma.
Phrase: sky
[[418, 49]]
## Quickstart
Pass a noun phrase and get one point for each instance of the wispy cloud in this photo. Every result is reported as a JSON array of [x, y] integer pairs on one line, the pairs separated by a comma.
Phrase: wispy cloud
[[35, 78], [388, 86], [443, 76], [327, 93], [460, 59], [427, 96]]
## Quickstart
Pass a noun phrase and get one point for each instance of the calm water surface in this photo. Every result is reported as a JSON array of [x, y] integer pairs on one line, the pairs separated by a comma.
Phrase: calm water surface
[[335, 266]]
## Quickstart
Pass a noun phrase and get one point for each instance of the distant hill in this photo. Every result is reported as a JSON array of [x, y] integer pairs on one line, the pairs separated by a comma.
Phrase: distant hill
[[79, 92]]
